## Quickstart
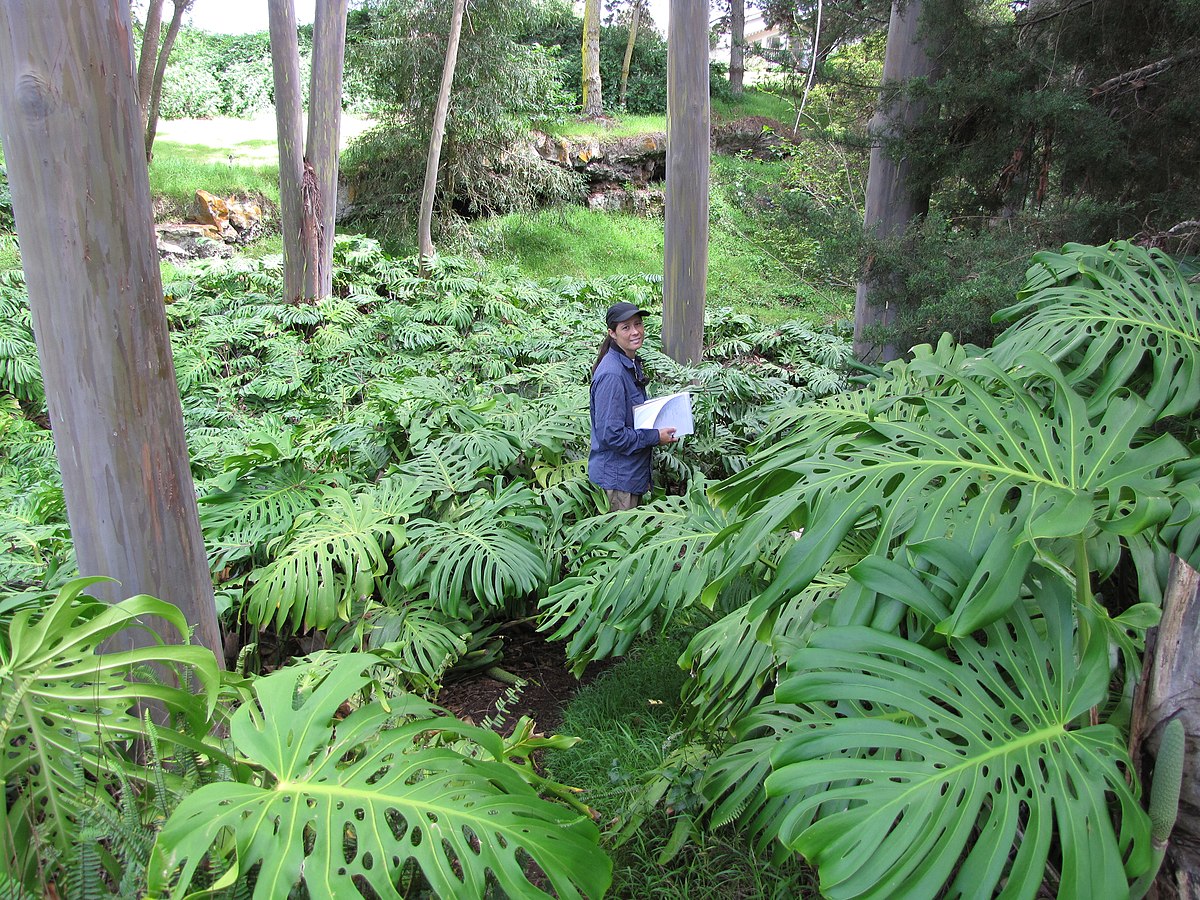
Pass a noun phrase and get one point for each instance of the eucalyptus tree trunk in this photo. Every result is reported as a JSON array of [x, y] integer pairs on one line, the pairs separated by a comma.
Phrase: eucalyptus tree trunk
[[324, 132], [635, 19], [737, 46], [425, 224], [308, 177], [1170, 689], [72, 136], [593, 100], [148, 57], [685, 254], [150, 120], [892, 202]]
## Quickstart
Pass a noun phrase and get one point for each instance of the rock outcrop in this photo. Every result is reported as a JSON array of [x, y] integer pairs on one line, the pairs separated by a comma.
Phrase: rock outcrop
[[619, 171], [214, 225]]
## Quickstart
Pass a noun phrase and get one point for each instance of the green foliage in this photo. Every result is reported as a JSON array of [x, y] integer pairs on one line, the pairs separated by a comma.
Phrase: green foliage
[[628, 723], [1119, 317], [66, 708], [371, 799], [221, 75], [944, 278], [500, 85], [1030, 112], [922, 653], [933, 764]]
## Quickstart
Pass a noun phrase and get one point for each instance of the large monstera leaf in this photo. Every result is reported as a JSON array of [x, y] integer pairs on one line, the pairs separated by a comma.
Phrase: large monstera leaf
[[332, 555], [639, 570], [340, 805], [65, 706], [482, 554], [1018, 464], [971, 773], [1112, 317]]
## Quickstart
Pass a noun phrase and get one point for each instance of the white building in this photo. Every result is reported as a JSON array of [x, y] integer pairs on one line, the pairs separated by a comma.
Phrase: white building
[[758, 35]]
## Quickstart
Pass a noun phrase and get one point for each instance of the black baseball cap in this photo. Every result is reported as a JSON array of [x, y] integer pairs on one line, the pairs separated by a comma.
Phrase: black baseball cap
[[619, 312]]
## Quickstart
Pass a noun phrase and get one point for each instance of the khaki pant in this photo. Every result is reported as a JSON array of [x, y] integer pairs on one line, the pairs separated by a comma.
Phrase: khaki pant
[[618, 500]]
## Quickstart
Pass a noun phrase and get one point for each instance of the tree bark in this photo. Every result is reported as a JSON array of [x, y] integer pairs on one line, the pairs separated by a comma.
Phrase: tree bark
[[892, 203], [425, 224], [285, 63], [72, 136], [308, 175], [635, 19], [160, 70], [1169, 689], [685, 254], [593, 101], [148, 58], [324, 132], [737, 46]]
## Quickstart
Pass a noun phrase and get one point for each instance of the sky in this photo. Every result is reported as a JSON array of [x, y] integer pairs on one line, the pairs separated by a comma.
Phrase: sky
[[243, 16]]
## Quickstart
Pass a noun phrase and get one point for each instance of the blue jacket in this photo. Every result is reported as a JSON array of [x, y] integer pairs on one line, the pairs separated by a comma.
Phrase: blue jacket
[[620, 456]]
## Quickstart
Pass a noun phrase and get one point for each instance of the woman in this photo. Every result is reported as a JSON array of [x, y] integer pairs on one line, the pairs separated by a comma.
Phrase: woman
[[619, 461]]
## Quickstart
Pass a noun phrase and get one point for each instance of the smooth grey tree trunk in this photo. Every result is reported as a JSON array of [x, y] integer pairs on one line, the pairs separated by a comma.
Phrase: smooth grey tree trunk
[[148, 57], [324, 129], [285, 64], [433, 160], [892, 203], [593, 100], [72, 137], [685, 253], [635, 19], [308, 174], [160, 70], [737, 46], [1170, 688]]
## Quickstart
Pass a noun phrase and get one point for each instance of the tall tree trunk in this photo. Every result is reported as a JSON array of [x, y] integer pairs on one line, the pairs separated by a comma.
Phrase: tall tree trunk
[[285, 63], [892, 203], [425, 225], [737, 46], [593, 100], [148, 58], [1170, 689], [685, 256], [160, 70], [72, 137], [308, 176], [324, 132], [635, 19]]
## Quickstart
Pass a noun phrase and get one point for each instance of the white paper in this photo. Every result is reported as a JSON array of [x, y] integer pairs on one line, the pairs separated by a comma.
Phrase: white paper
[[671, 411]]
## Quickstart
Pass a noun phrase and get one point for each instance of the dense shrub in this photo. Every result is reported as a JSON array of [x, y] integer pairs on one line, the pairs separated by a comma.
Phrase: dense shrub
[[500, 87]]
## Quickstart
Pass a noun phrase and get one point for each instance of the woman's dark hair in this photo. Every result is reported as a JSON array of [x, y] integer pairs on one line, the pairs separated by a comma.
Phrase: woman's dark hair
[[605, 346]]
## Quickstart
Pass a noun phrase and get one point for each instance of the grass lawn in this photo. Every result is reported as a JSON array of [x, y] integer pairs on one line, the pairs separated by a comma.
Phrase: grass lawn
[[223, 156], [628, 724], [743, 271]]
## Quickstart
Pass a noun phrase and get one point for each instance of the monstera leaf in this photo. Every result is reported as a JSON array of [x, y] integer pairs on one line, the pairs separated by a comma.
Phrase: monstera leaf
[[1112, 317], [965, 772], [65, 706], [1019, 463], [350, 807], [640, 569], [333, 554], [489, 551]]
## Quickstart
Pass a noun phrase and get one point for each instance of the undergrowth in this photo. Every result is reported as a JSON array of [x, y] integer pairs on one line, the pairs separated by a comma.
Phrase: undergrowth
[[629, 721]]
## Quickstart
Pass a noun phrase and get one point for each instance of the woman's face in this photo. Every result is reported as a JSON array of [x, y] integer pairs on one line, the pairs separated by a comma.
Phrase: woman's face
[[628, 335]]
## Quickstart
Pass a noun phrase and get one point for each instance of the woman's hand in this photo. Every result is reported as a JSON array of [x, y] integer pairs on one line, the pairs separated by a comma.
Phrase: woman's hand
[[667, 436]]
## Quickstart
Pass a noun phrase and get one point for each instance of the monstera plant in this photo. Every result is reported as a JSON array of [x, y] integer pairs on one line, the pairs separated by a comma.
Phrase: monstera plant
[[67, 709], [376, 801]]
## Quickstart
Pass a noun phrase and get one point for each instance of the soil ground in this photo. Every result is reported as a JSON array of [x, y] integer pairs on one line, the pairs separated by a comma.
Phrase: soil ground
[[548, 689]]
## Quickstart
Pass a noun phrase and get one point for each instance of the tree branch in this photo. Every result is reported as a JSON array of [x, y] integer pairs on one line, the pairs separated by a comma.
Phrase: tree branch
[[1141, 73]]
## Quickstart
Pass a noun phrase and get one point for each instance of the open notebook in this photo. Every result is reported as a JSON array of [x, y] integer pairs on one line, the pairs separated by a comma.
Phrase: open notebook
[[671, 411]]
